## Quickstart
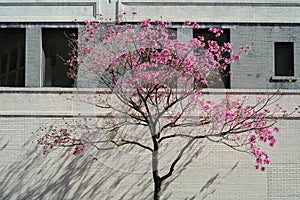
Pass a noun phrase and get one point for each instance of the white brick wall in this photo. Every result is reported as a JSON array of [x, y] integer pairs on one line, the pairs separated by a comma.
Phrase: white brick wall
[[27, 174], [259, 65]]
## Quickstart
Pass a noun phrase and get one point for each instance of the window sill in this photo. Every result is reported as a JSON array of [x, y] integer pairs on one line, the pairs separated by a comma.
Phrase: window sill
[[290, 79]]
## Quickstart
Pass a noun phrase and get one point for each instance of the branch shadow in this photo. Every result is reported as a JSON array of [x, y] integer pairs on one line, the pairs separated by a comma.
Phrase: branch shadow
[[61, 175]]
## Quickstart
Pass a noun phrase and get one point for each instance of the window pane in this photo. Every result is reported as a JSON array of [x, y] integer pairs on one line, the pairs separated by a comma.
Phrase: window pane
[[284, 59], [56, 49], [3, 63], [12, 57], [11, 78]]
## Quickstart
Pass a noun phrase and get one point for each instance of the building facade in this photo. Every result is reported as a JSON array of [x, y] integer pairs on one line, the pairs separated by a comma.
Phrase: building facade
[[29, 29], [35, 92]]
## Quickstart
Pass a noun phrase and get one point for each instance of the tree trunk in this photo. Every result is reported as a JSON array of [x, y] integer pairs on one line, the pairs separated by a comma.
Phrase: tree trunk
[[157, 186], [156, 178]]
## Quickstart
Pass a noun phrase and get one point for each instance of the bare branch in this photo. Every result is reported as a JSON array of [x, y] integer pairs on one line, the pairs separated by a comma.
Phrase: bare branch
[[126, 142]]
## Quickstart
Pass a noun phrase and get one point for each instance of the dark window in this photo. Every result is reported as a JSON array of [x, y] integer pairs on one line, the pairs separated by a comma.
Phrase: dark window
[[56, 49], [12, 57], [224, 75], [284, 59]]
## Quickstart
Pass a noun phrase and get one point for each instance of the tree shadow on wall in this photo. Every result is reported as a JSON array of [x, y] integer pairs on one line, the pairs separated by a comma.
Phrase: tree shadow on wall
[[61, 175]]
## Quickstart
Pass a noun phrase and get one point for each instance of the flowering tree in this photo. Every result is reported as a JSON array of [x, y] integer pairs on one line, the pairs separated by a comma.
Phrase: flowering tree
[[157, 82]]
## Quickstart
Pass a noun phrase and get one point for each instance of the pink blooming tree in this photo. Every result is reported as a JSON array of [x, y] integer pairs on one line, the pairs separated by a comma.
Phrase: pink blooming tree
[[158, 83]]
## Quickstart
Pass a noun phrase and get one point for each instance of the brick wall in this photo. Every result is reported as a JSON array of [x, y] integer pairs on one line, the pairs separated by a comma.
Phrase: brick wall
[[253, 69], [216, 173]]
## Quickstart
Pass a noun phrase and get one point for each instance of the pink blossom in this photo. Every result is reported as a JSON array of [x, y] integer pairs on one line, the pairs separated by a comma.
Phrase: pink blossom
[[201, 38], [218, 34], [145, 23], [87, 22], [196, 25], [228, 45], [241, 48], [204, 82], [187, 22], [82, 149], [252, 138], [236, 57], [217, 31], [76, 152]]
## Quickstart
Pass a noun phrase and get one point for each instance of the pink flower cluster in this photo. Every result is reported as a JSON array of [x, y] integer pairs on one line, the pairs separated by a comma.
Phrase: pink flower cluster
[[79, 149], [61, 138], [146, 23], [217, 31], [254, 122]]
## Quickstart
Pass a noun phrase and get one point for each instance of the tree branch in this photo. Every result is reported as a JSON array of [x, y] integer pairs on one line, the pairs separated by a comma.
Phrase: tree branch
[[125, 142]]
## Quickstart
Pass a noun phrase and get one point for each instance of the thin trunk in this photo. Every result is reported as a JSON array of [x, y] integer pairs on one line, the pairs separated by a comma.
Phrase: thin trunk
[[156, 178]]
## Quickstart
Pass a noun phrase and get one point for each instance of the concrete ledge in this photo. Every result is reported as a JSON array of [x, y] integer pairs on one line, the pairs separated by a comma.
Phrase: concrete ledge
[[78, 103], [51, 114], [59, 90], [283, 79]]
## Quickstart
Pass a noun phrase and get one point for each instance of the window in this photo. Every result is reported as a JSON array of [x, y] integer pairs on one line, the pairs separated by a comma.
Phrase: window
[[225, 37], [55, 50], [12, 57], [284, 59]]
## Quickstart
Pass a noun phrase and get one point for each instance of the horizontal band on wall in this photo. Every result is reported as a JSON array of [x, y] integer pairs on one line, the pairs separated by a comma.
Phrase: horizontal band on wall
[[93, 116], [214, 11], [47, 11], [71, 115], [178, 3], [55, 90]]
